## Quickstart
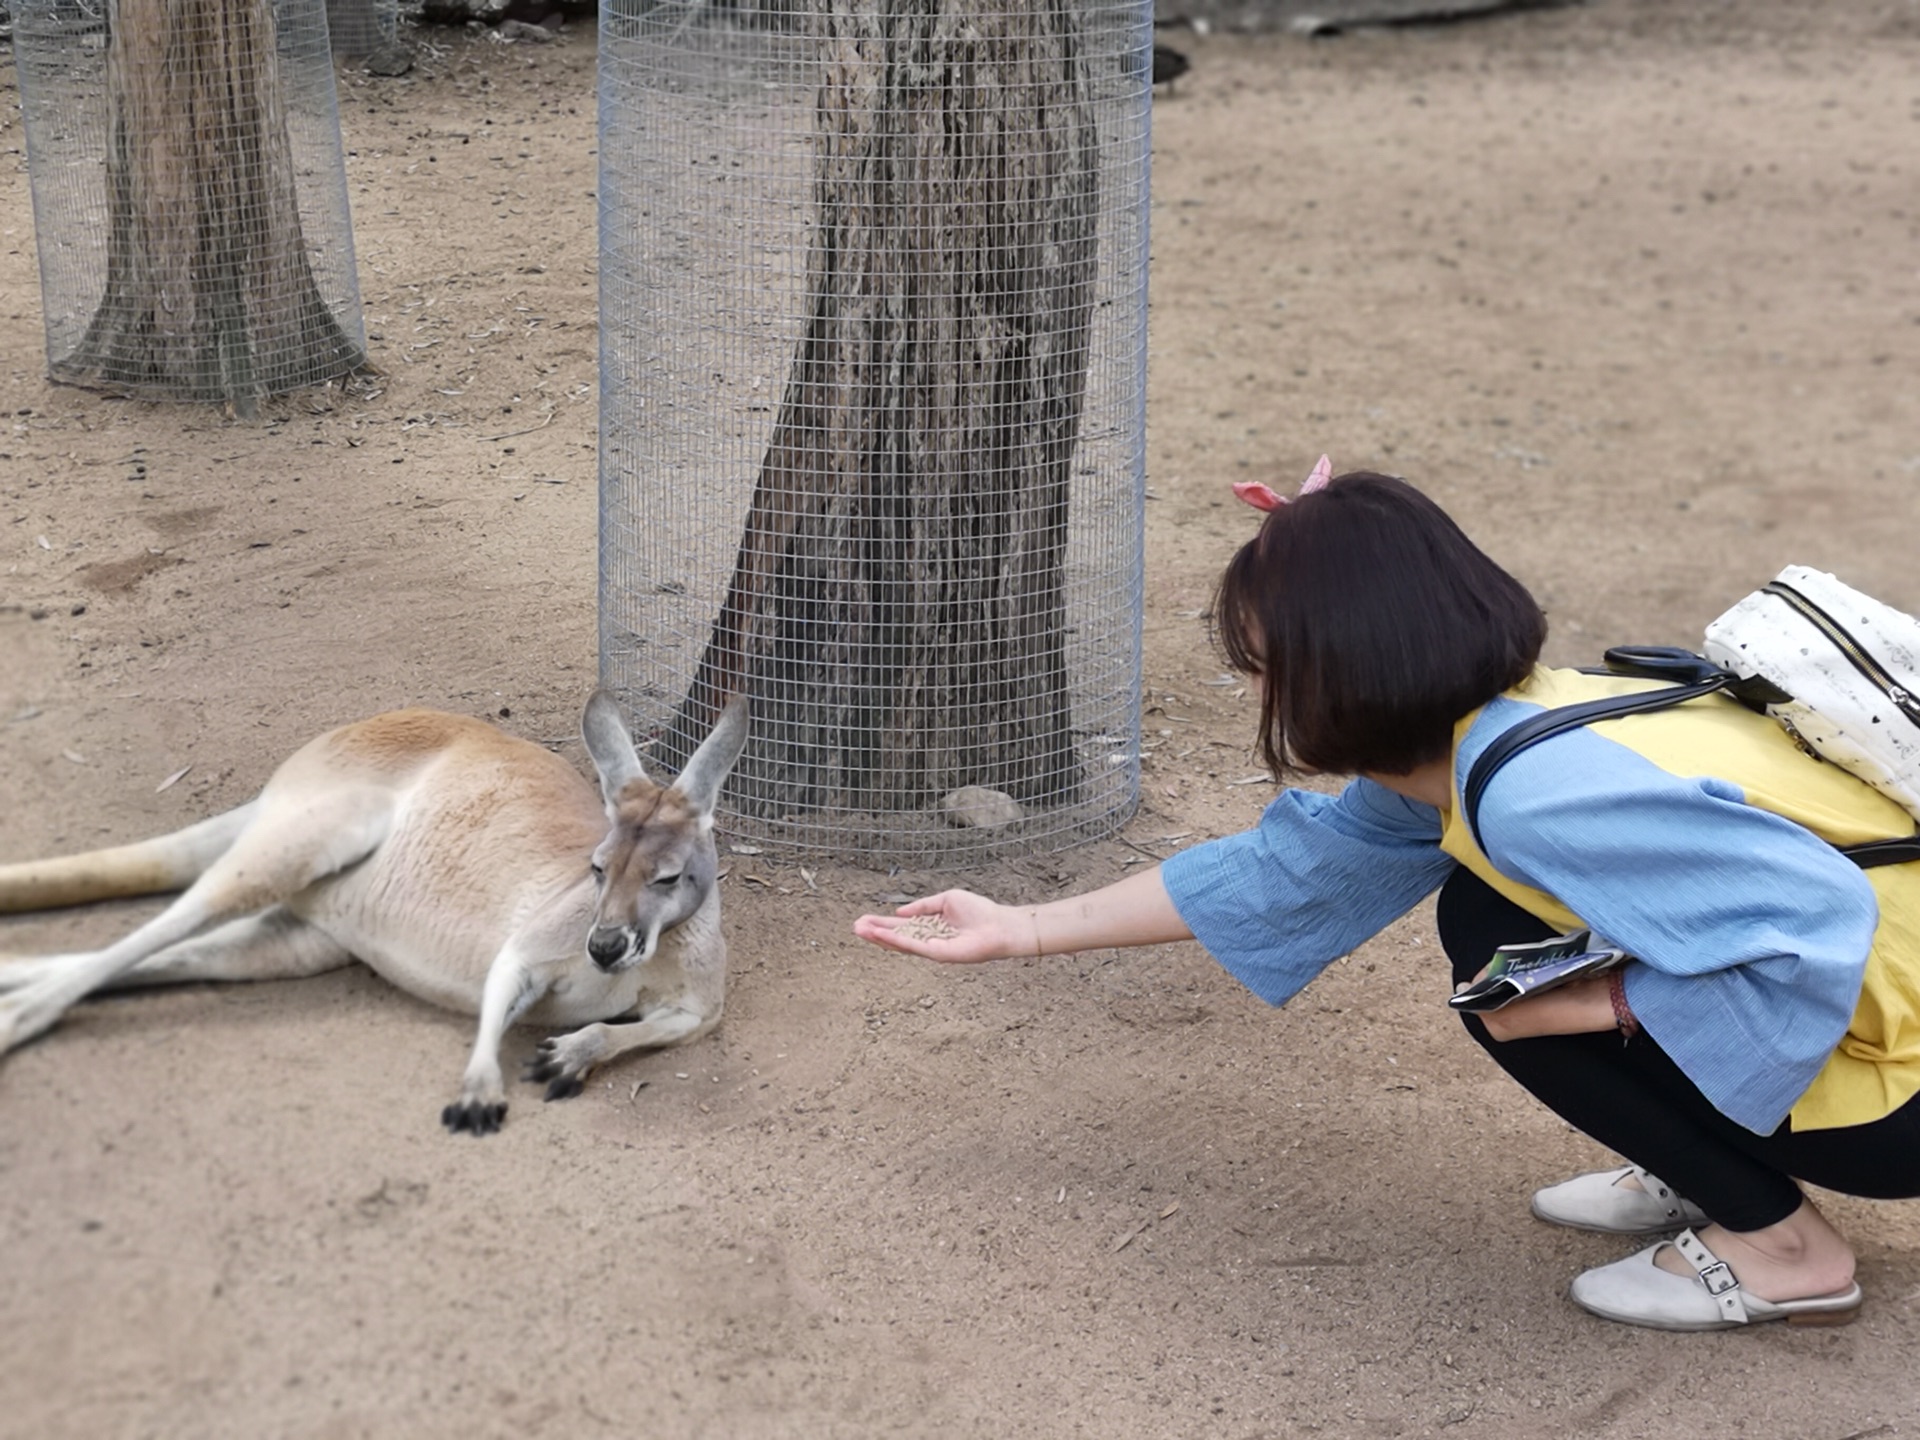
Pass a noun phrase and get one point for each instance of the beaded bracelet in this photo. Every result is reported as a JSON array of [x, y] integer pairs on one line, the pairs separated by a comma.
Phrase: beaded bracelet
[[1623, 1016]]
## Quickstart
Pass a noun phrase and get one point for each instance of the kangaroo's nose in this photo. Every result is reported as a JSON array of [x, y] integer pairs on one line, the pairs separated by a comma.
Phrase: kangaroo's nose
[[607, 947]]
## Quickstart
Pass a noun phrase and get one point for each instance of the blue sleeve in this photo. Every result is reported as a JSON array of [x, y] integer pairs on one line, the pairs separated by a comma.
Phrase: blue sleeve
[[1320, 873], [1753, 931]]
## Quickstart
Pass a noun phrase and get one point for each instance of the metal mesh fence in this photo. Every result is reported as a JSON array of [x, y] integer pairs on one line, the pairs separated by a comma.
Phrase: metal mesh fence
[[189, 196], [873, 354], [360, 27]]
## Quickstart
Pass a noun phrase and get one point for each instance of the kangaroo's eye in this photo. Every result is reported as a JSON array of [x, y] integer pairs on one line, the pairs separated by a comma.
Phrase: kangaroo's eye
[[666, 882], [599, 870]]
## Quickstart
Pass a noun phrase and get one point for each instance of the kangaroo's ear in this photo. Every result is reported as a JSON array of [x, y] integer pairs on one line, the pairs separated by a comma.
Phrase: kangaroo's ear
[[707, 771], [604, 729]]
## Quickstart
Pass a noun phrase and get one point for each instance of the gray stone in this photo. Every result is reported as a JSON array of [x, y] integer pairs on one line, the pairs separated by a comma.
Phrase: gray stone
[[521, 30], [976, 807], [395, 59]]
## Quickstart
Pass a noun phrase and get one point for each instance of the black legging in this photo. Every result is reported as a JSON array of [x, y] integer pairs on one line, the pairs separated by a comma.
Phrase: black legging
[[1633, 1099]]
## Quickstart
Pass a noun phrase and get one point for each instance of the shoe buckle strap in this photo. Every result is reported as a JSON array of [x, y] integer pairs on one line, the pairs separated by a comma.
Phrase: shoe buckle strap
[[1718, 1278], [1715, 1274], [1659, 1190]]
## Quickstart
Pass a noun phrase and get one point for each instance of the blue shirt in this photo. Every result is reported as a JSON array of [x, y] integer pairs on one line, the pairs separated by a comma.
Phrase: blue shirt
[[1753, 931]]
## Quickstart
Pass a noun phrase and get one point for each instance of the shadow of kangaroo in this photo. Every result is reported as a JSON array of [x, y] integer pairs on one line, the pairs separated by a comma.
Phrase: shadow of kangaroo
[[472, 869]]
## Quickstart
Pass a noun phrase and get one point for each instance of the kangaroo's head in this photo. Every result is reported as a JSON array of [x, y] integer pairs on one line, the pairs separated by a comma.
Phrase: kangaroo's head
[[658, 862]]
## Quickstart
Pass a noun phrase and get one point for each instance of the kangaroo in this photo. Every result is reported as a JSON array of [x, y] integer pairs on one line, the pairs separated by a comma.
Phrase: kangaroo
[[471, 869]]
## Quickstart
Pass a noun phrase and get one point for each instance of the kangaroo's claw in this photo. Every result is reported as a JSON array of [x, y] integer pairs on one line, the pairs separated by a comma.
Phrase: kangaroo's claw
[[544, 1065], [565, 1087], [474, 1117], [564, 1062]]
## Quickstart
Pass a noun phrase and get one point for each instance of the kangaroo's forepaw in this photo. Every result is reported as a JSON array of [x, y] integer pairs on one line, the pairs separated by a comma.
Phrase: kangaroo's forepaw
[[474, 1117], [564, 1062]]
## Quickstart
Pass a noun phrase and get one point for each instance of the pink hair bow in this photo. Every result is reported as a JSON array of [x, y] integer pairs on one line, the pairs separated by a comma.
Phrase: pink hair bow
[[1261, 497]]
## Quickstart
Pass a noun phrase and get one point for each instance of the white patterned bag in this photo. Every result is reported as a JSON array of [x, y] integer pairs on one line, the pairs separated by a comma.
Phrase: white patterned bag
[[1847, 667]]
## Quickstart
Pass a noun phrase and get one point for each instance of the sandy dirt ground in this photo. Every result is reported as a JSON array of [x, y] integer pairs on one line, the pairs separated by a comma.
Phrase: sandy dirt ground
[[1631, 287]]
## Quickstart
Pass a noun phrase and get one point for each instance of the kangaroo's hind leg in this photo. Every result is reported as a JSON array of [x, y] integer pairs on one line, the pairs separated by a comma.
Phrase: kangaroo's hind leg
[[146, 867], [283, 850], [273, 945]]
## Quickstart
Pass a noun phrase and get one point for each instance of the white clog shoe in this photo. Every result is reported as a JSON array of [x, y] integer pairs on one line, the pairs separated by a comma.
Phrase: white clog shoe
[[1636, 1291], [1603, 1201]]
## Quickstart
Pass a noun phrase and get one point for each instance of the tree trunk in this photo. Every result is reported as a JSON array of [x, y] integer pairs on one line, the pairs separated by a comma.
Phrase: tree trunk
[[208, 295], [897, 608]]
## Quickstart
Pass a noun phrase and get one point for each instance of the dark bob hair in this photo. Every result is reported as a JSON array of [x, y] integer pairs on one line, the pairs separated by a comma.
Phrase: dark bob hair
[[1373, 624]]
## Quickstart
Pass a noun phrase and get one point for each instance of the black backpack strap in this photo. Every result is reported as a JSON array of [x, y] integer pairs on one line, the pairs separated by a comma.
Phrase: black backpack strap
[[1697, 677], [1869, 853], [1549, 723]]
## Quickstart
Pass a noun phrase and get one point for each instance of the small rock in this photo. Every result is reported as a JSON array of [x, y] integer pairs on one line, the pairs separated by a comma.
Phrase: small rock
[[980, 808], [394, 59], [521, 30]]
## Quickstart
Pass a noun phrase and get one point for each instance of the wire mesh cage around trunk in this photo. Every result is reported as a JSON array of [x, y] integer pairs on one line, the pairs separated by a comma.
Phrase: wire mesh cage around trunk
[[873, 356], [189, 196], [357, 28]]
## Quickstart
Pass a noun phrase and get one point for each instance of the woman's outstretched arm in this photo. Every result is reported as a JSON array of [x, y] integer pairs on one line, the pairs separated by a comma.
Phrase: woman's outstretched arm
[[960, 927]]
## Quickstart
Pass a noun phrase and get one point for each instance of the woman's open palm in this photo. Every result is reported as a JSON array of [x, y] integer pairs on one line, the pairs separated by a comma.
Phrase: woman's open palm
[[955, 927]]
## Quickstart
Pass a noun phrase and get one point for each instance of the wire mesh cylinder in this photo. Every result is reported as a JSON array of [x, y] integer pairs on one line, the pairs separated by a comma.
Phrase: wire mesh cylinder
[[359, 27], [189, 196], [873, 280]]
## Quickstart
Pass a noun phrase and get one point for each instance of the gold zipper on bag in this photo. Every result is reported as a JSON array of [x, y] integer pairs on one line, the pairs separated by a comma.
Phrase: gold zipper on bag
[[1856, 655]]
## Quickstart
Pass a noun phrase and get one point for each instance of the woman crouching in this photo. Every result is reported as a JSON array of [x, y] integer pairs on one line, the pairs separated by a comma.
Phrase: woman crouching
[[1767, 1030]]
